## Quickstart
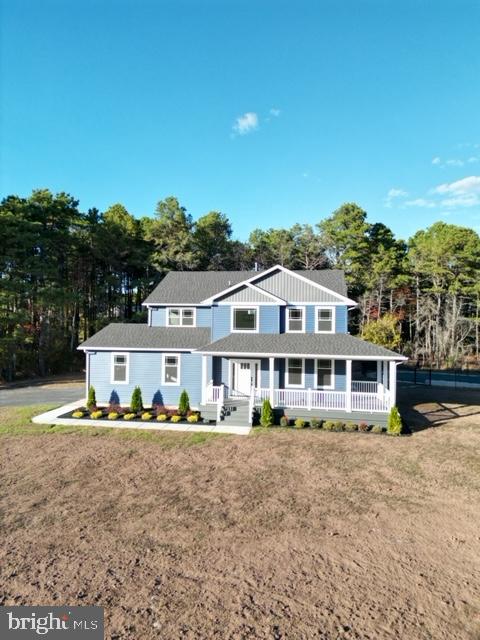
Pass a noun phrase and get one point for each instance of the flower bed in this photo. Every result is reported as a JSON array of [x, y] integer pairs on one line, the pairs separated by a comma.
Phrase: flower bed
[[150, 414]]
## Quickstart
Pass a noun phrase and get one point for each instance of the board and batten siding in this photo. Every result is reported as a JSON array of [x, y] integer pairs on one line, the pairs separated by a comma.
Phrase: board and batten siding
[[293, 289], [246, 294], [145, 370], [158, 316]]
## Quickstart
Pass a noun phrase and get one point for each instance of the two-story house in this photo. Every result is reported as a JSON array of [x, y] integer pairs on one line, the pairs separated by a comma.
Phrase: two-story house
[[235, 338]]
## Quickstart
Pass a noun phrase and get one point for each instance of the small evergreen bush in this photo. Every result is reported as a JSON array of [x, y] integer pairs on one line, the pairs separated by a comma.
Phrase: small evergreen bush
[[136, 403], [176, 418], [284, 421], [394, 424], [339, 426], [193, 418], [329, 425], [378, 429], [113, 415], [96, 415], [162, 417], [146, 416], [129, 416], [91, 400], [183, 403], [299, 423], [351, 426], [316, 423], [78, 414], [266, 418]]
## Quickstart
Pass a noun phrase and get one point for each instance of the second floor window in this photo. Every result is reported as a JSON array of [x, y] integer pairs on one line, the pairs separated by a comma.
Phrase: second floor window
[[180, 317], [295, 321], [244, 319], [325, 320]]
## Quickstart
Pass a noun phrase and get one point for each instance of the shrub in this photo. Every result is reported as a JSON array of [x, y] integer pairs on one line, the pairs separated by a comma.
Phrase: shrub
[[339, 426], [113, 415], [91, 400], [193, 418], [129, 416], [146, 416], [266, 419], [394, 424], [284, 421], [176, 418], [316, 423], [329, 425], [377, 429], [351, 426], [299, 423], [362, 426], [78, 414], [136, 403], [162, 417], [183, 403], [96, 415]]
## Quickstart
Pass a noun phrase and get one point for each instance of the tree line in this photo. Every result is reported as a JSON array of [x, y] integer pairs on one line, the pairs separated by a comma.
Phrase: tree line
[[66, 273]]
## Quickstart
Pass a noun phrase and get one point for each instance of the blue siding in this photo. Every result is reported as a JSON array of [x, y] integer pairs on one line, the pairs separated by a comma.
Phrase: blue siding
[[310, 319], [341, 324], [159, 316], [220, 322], [269, 319], [146, 372]]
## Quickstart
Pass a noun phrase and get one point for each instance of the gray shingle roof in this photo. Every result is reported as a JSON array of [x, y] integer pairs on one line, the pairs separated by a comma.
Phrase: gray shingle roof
[[298, 344], [192, 287], [141, 336]]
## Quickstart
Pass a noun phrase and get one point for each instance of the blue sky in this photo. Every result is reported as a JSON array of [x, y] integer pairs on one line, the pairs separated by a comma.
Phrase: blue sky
[[272, 112]]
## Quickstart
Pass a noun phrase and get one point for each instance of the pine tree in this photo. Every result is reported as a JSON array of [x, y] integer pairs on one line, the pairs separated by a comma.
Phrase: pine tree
[[92, 400], [266, 419], [183, 403], [394, 424], [136, 403]]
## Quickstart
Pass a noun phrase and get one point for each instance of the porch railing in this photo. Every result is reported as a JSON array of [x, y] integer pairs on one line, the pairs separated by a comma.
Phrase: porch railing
[[376, 399]]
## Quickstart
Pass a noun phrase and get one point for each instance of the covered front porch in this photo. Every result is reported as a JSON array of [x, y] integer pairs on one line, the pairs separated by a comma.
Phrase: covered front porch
[[347, 385]]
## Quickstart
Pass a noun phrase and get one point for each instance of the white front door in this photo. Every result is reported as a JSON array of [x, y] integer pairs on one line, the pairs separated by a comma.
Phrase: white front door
[[245, 374]]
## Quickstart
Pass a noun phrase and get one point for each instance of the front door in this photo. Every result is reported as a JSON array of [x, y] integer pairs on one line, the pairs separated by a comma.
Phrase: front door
[[244, 376]]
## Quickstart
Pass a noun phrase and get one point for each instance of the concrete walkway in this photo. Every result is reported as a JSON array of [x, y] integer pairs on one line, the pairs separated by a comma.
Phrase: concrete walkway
[[52, 417]]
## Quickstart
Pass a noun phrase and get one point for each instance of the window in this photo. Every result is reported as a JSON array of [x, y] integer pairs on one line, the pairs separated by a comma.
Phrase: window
[[171, 369], [325, 374], [180, 317], [119, 372], [325, 320], [294, 372], [295, 320], [244, 319]]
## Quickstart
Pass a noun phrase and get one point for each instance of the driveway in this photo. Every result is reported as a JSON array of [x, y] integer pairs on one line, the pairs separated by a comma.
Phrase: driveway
[[53, 391]]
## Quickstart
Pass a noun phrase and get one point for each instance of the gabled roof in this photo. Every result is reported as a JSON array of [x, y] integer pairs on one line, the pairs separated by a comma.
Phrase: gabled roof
[[197, 287], [138, 337], [299, 345]]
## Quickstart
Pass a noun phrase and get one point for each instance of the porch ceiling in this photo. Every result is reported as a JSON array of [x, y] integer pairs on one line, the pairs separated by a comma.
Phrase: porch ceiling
[[335, 345]]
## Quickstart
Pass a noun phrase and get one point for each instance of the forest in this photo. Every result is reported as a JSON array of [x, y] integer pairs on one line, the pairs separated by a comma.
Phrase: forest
[[66, 273]]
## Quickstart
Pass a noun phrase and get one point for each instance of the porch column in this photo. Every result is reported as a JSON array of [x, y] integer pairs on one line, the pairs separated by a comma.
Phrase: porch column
[[348, 387], [204, 379], [393, 383], [380, 376], [271, 379]]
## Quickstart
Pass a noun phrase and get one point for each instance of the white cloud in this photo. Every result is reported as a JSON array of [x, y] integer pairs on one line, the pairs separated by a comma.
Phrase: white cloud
[[275, 112], [246, 123], [454, 163], [464, 200], [420, 202], [436, 160], [472, 159], [471, 184], [396, 193]]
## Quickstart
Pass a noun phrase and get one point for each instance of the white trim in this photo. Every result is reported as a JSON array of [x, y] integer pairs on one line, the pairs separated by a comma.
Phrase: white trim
[[304, 313], [278, 300], [333, 309], [234, 361], [87, 373], [179, 361], [112, 367], [332, 372], [131, 349], [174, 304], [261, 274], [149, 322], [204, 380], [267, 354], [294, 386], [244, 305], [181, 325], [271, 380], [348, 386]]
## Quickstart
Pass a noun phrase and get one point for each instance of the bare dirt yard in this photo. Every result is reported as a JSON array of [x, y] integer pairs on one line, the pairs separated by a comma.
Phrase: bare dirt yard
[[282, 534]]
